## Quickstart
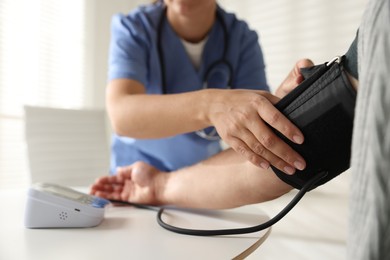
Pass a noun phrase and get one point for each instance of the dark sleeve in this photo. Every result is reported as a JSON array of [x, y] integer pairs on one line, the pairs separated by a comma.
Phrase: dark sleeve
[[351, 58]]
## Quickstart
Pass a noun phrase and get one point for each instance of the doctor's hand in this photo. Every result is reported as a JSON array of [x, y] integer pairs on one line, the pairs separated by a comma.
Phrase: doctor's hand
[[294, 78], [242, 119]]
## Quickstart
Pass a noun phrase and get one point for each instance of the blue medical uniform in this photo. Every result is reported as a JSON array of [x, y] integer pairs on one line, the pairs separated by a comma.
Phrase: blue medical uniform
[[134, 55]]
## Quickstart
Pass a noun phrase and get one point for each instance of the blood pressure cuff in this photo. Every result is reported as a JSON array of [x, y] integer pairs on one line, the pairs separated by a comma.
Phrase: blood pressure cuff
[[322, 107]]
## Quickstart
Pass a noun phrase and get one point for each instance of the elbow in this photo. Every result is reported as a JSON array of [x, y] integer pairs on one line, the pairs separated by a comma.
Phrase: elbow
[[281, 190], [116, 114], [121, 106], [118, 128], [116, 120], [118, 123], [274, 189]]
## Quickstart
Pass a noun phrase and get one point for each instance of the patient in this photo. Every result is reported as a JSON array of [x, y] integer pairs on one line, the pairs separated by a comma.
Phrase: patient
[[225, 180]]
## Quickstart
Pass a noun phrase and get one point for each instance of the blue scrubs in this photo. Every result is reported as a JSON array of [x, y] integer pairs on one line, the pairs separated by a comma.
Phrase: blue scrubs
[[134, 55]]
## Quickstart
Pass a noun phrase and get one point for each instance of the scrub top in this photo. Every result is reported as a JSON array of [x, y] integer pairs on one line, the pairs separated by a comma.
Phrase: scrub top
[[134, 55]]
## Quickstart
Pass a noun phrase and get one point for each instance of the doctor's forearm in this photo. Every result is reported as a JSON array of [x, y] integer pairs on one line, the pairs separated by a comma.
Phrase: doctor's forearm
[[140, 115], [226, 180]]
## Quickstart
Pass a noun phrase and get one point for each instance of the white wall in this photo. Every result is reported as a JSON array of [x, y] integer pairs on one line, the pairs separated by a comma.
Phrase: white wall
[[291, 30], [99, 25]]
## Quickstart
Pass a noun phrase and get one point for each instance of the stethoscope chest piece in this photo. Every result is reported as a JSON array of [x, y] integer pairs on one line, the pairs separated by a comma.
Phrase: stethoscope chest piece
[[218, 75]]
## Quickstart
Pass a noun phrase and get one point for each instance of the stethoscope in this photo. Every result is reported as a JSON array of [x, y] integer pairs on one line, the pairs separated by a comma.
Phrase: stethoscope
[[209, 133]]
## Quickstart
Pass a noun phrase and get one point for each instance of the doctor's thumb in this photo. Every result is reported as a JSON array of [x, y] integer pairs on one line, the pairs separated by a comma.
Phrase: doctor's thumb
[[294, 78]]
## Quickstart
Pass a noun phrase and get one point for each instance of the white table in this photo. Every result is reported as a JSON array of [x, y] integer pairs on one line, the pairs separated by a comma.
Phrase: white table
[[125, 233]]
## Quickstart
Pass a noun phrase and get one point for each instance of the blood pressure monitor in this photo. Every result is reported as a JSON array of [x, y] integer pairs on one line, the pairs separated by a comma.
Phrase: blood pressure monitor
[[54, 206]]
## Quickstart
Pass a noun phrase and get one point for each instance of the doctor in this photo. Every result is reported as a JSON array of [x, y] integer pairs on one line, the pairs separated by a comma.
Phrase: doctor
[[178, 68]]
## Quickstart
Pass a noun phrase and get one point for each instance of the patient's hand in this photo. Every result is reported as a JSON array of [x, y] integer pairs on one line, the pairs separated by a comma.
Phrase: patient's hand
[[136, 183]]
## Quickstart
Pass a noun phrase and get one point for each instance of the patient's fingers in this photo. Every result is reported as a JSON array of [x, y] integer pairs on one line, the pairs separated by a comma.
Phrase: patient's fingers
[[106, 184], [124, 173], [108, 187], [102, 180], [127, 189], [108, 195], [111, 179]]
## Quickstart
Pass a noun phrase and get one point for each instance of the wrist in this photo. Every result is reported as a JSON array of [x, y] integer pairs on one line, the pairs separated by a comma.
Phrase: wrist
[[160, 188], [209, 98], [173, 189]]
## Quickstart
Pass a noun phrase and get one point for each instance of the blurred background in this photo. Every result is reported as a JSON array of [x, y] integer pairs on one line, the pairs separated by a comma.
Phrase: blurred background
[[53, 126], [54, 54]]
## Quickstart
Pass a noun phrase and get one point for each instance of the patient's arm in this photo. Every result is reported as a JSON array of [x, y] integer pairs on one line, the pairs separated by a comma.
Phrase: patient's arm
[[223, 181]]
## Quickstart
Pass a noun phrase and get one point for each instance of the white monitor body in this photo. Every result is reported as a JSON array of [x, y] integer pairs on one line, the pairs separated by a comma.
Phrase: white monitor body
[[55, 206]]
